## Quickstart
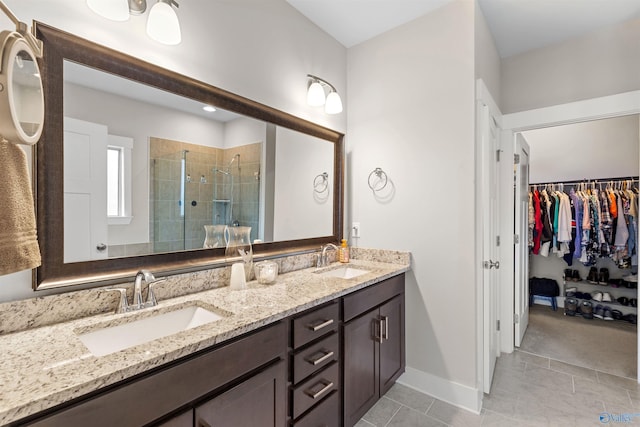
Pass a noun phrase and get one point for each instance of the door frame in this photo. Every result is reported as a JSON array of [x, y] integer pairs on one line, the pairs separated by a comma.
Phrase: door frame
[[484, 313], [622, 104]]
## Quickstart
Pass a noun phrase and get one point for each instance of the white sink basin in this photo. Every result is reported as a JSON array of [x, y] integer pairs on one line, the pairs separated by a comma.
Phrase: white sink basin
[[111, 339], [344, 272]]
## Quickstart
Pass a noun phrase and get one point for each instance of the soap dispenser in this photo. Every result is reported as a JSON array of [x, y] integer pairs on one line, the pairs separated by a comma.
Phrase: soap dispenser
[[343, 252]]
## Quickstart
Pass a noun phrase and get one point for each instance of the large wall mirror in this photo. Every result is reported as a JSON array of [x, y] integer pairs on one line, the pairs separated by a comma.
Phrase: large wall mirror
[[140, 167]]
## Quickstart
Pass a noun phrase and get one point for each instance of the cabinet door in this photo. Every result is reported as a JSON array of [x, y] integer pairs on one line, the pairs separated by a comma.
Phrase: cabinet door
[[361, 387], [392, 357], [258, 401], [183, 420]]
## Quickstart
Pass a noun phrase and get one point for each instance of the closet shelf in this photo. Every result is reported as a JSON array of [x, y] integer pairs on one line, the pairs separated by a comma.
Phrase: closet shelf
[[584, 282], [609, 303]]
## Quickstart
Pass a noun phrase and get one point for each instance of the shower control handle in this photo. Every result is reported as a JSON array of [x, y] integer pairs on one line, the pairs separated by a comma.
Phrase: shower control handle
[[194, 203]]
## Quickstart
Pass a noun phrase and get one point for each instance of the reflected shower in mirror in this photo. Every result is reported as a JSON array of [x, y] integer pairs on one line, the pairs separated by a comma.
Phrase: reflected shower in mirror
[[174, 167]]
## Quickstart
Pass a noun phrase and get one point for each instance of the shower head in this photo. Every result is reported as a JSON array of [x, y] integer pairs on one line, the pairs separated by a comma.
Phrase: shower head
[[233, 159]]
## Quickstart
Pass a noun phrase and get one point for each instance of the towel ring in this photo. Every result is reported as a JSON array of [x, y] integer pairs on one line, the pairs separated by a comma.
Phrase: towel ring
[[321, 183], [382, 178]]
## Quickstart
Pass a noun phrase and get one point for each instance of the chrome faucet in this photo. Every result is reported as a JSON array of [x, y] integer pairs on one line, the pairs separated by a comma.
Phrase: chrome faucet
[[323, 259], [148, 277]]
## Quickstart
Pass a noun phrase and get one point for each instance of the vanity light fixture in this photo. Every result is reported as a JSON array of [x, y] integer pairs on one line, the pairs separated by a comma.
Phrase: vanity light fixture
[[209, 108], [21, 94], [316, 96], [162, 24]]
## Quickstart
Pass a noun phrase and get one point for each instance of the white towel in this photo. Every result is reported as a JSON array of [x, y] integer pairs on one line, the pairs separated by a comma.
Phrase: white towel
[[19, 248]]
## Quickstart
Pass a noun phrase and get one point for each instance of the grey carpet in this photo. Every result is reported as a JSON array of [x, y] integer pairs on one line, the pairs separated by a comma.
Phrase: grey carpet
[[609, 347]]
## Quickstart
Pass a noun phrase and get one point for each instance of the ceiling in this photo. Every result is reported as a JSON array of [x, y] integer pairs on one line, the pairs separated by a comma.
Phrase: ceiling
[[517, 25]]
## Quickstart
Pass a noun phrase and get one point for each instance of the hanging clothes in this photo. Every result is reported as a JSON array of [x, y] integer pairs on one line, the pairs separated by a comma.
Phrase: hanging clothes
[[586, 224]]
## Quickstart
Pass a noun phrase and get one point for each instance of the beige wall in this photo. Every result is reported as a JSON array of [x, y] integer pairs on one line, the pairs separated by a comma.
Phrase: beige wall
[[487, 59], [604, 62], [411, 112]]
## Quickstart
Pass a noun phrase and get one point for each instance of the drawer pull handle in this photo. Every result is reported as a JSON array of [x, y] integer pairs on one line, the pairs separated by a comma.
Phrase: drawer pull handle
[[324, 324], [321, 359], [327, 386]]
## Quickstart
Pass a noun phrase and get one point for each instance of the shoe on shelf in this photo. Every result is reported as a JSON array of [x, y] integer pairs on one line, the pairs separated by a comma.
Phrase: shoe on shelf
[[603, 276], [592, 277], [583, 295], [598, 312], [633, 302], [623, 300], [615, 283], [607, 314], [568, 275], [575, 276], [606, 297], [586, 308], [596, 296], [570, 306], [631, 318], [570, 292], [616, 314]]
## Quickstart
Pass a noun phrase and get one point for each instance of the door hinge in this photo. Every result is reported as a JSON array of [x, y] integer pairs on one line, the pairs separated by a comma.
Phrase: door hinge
[[498, 325], [498, 155], [516, 159], [516, 239], [497, 240], [516, 318]]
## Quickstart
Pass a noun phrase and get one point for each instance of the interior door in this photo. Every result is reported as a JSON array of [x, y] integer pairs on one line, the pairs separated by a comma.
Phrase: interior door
[[521, 247], [85, 190], [488, 200]]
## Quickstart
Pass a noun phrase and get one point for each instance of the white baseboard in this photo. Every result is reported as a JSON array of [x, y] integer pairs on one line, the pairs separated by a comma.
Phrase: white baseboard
[[459, 395]]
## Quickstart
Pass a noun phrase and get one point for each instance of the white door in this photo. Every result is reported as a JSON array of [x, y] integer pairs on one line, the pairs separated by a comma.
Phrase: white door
[[85, 191], [488, 201], [521, 248]]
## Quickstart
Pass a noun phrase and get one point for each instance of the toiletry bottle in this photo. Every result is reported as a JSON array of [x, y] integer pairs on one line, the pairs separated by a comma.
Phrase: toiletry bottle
[[343, 253]]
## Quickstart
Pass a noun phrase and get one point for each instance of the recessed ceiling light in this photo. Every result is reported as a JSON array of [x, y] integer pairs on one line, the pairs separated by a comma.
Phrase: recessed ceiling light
[[209, 108]]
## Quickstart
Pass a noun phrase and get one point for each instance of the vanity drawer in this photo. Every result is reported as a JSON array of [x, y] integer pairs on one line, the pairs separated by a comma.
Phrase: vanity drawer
[[313, 390], [315, 324], [326, 414], [315, 357]]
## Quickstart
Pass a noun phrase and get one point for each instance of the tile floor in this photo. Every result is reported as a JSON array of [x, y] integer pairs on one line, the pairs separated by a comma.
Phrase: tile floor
[[527, 390]]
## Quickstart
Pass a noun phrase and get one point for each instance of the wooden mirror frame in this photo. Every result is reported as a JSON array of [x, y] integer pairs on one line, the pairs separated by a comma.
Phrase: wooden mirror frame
[[49, 161]]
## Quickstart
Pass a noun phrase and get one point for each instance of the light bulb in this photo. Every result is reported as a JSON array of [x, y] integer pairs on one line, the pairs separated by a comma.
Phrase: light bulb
[[209, 108], [334, 104], [163, 25], [115, 10], [315, 95]]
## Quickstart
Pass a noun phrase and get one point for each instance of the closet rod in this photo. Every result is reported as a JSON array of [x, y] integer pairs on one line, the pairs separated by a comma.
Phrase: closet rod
[[587, 181]]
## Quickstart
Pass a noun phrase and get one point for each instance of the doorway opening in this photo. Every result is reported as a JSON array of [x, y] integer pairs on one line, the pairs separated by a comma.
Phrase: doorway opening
[[584, 167]]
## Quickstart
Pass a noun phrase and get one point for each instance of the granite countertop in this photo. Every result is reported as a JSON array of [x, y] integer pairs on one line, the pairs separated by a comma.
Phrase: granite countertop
[[46, 366]]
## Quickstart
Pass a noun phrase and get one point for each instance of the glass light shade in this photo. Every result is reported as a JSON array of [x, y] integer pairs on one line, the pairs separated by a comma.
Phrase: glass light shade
[[163, 25], [334, 104], [116, 10], [315, 95]]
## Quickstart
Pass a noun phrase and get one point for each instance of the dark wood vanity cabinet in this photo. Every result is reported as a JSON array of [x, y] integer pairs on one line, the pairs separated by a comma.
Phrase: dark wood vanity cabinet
[[374, 341], [315, 367], [248, 374]]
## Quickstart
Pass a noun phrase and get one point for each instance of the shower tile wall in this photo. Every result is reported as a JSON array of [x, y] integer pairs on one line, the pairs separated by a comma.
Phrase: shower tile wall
[[173, 229], [170, 229]]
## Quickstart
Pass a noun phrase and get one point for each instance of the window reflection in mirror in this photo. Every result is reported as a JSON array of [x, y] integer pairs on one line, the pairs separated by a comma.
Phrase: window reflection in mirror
[[187, 168]]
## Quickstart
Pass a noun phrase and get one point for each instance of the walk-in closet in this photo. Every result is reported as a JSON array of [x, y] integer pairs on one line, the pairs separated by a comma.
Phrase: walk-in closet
[[583, 236]]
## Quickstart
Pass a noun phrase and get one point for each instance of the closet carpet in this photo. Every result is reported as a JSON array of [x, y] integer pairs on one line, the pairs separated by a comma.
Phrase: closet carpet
[[594, 344]]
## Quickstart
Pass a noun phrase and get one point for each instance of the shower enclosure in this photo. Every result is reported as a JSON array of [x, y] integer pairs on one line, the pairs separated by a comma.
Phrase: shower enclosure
[[193, 186]]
